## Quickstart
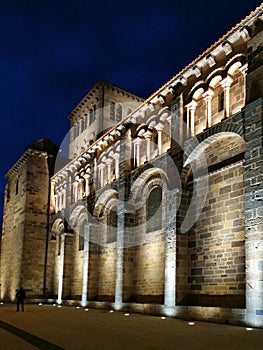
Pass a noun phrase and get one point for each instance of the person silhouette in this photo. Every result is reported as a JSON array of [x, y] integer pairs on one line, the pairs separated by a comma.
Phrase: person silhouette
[[20, 297]]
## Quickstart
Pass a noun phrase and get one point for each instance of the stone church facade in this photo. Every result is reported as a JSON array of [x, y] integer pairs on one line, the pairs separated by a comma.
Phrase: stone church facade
[[159, 207]]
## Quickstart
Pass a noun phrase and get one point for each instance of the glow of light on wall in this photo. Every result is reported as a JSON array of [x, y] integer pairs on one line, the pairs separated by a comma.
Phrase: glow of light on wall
[[169, 311], [61, 270], [117, 306]]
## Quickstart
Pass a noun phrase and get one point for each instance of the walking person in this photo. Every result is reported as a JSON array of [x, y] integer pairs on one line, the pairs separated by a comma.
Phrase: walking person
[[20, 297]]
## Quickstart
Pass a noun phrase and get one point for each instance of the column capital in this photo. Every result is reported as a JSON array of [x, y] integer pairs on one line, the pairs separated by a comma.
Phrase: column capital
[[159, 127], [243, 69], [226, 83], [207, 95], [137, 141], [109, 161], [148, 134], [192, 105]]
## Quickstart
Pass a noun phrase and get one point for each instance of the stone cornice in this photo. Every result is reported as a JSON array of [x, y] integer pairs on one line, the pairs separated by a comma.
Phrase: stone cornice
[[89, 97], [28, 153], [224, 44]]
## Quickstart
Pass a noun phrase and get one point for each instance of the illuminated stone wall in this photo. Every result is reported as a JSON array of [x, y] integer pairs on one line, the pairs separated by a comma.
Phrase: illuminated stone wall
[[207, 266], [23, 250], [12, 234]]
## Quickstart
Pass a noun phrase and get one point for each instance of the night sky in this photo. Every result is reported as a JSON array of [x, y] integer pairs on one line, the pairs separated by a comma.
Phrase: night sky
[[52, 52]]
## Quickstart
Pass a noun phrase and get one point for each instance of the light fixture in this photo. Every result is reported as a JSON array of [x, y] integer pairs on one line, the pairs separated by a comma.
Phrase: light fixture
[[39, 304], [59, 305], [86, 309], [126, 314], [249, 329], [111, 311], [191, 323], [163, 318]]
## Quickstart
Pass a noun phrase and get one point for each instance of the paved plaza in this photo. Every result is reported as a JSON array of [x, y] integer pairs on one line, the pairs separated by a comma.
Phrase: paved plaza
[[50, 327]]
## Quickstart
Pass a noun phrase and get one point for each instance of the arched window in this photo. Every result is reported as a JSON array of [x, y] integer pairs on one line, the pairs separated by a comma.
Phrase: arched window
[[119, 113], [221, 102], [82, 235], [112, 223], [86, 120], [112, 111], [154, 210], [17, 186], [59, 243], [76, 130], [91, 116]]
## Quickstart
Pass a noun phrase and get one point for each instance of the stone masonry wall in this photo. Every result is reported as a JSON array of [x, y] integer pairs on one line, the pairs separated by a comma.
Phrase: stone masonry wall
[[13, 233], [216, 258], [216, 244], [35, 226]]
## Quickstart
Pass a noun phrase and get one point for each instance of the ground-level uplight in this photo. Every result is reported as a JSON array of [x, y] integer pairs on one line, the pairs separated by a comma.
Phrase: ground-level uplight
[[86, 309], [191, 323], [59, 306], [163, 318], [1, 303], [126, 314], [111, 311], [249, 329], [39, 304]]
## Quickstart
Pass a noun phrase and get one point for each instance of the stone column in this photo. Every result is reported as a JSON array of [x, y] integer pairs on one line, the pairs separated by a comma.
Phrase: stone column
[[208, 99], [80, 188], [137, 145], [101, 176], [170, 252], [61, 268], [85, 266], [190, 118], [109, 164], [226, 83], [64, 195], [56, 202], [125, 154], [119, 256], [243, 71], [59, 198], [75, 191], [117, 165], [159, 129], [148, 136], [69, 191], [177, 121], [87, 181], [254, 212], [52, 194]]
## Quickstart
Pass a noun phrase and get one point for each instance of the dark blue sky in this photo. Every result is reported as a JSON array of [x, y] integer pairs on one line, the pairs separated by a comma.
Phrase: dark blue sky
[[52, 52]]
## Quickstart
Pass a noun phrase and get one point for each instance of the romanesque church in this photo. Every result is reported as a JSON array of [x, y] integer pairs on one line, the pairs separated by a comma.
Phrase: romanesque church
[[152, 206]]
